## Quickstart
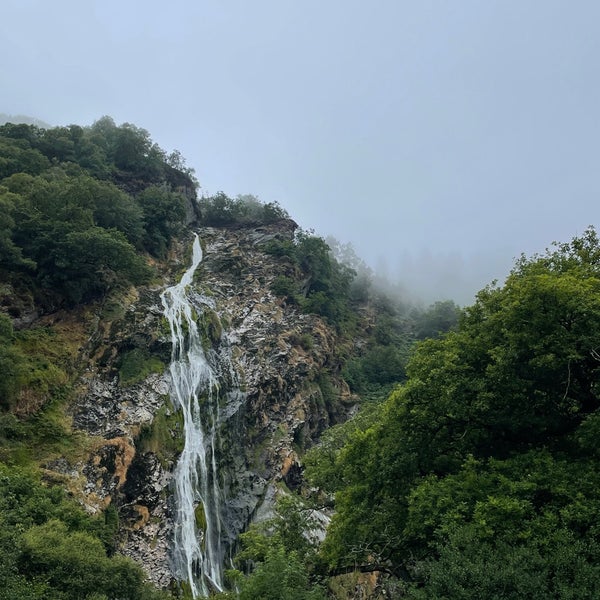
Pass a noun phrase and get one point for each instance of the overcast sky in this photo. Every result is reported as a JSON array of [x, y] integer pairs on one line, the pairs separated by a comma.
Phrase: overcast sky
[[441, 138]]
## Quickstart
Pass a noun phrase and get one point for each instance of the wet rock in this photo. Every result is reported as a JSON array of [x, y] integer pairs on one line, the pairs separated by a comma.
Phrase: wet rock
[[109, 410], [271, 402]]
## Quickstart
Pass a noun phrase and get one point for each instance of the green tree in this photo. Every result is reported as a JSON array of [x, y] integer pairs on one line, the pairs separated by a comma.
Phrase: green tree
[[85, 264], [134, 151], [11, 255], [561, 566], [279, 555], [51, 549], [491, 434], [164, 215], [222, 211], [327, 284], [440, 317], [17, 156], [281, 576], [111, 207]]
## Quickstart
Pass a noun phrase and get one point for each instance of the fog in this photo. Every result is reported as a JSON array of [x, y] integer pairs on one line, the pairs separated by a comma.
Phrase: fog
[[442, 139]]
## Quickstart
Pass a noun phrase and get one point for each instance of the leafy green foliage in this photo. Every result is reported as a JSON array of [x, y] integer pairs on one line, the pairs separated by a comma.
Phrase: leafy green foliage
[[320, 284], [51, 549], [281, 576], [17, 156], [486, 455], [327, 290], [78, 203], [559, 566], [84, 264], [440, 317], [114, 209], [324, 463], [379, 364], [164, 213], [280, 555], [285, 286], [221, 211]]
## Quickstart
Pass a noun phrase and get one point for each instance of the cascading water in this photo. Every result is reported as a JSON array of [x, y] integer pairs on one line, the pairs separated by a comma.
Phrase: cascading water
[[197, 553]]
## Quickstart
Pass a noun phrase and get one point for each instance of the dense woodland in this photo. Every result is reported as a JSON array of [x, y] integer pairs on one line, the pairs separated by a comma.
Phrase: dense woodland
[[470, 470]]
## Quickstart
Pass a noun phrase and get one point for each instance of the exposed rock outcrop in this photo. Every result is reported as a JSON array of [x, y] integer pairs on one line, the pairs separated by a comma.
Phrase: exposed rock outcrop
[[280, 357]]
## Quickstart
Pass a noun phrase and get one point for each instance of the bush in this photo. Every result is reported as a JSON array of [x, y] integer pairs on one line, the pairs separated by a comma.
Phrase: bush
[[50, 549], [285, 286], [164, 216], [221, 211]]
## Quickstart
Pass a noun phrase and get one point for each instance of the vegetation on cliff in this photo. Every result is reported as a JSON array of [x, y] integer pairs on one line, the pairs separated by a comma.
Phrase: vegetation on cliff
[[50, 549], [82, 209], [470, 470], [78, 205]]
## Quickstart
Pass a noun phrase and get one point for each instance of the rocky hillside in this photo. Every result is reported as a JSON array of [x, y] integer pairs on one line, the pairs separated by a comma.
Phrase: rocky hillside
[[95, 224], [281, 358]]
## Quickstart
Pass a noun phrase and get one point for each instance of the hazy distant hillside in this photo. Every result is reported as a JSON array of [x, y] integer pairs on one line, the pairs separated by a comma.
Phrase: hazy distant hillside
[[22, 119]]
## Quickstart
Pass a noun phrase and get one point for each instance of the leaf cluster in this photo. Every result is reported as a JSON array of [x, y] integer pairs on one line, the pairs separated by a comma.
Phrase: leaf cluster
[[79, 204], [278, 557], [486, 455], [51, 549], [318, 283], [380, 362], [222, 211]]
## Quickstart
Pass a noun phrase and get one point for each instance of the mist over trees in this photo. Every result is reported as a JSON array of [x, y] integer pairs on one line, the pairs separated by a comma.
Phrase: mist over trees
[[23, 119], [476, 479], [470, 469]]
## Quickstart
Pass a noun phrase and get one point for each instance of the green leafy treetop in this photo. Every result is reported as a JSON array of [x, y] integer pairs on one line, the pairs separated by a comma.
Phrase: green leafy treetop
[[79, 204], [479, 477]]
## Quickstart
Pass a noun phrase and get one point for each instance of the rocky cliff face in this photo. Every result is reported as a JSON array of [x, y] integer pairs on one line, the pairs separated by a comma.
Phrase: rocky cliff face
[[281, 359]]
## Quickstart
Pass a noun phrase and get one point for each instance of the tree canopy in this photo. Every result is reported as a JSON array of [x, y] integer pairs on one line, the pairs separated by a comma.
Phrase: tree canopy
[[484, 457], [79, 204]]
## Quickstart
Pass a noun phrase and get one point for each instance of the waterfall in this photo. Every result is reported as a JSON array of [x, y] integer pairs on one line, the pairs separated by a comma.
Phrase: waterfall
[[197, 552]]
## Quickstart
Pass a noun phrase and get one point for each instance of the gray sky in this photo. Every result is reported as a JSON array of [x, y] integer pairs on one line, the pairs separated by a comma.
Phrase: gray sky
[[441, 138]]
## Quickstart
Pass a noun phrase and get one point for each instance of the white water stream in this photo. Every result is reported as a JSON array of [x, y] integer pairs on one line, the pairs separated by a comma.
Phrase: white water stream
[[197, 553]]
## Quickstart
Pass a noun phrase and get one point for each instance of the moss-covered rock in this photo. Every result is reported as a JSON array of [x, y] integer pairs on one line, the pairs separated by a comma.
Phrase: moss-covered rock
[[137, 364]]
